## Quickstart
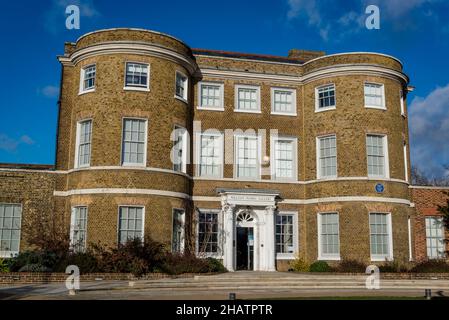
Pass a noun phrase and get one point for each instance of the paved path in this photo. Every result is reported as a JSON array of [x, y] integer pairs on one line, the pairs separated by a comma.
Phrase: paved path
[[245, 285]]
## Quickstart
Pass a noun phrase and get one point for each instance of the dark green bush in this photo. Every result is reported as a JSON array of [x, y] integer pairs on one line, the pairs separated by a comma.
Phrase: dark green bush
[[320, 266], [393, 267], [215, 265], [184, 263], [431, 266], [4, 265], [351, 266], [45, 259], [34, 267]]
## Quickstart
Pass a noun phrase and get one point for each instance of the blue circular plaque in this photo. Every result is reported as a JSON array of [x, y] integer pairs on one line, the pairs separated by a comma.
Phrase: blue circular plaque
[[380, 188]]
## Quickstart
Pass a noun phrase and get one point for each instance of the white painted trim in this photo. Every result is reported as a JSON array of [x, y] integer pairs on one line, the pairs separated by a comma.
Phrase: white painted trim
[[200, 99], [118, 220], [152, 192], [384, 106], [288, 256], [402, 102], [294, 141], [197, 146], [328, 257], [185, 98], [317, 99], [185, 148], [237, 87], [429, 187], [405, 163], [221, 238], [294, 101], [390, 256], [386, 157], [183, 231], [138, 88], [318, 158], [410, 245], [77, 143], [9, 254], [72, 224], [83, 77], [259, 155], [129, 164], [322, 200]]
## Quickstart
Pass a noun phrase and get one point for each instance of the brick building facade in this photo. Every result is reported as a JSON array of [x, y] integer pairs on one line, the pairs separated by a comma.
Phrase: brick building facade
[[251, 159]]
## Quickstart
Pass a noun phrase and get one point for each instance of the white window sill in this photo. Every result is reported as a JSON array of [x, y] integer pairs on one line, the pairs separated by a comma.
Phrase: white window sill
[[274, 179], [247, 178], [8, 254], [329, 258], [210, 109], [141, 89], [381, 259], [327, 178], [135, 165], [285, 256], [284, 114], [325, 109], [86, 91], [376, 107], [247, 111], [209, 177], [378, 177], [181, 99], [82, 167]]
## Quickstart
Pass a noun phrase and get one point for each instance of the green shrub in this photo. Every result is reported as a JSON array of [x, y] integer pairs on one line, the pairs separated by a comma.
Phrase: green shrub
[[351, 266], [184, 263], [87, 262], [431, 266], [215, 265], [320, 266], [4, 266], [299, 265], [35, 267], [393, 267], [31, 259]]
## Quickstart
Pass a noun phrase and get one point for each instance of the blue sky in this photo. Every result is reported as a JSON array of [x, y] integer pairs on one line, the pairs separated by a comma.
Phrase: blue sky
[[33, 34]]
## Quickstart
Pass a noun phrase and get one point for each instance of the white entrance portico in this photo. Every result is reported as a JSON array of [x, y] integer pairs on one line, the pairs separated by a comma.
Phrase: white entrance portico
[[249, 229]]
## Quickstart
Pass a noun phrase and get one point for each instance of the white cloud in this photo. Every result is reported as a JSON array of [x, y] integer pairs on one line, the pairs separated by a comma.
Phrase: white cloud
[[50, 91], [9, 144], [429, 131]]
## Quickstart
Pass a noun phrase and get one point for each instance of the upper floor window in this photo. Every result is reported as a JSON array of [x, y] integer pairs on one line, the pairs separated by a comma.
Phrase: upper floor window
[[131, 222], [137, 76], [88, 75], [380, 236], [181, 86], [180, 149], [247, 157], [210, 155], [83, 144], [208, 232], [325, 98], [374, 96], [284, 158], [10, 227], [211, 96], [328, 236], [327, 157], [377, 156], [283, 101], [435, 238], [247, 98], [134, 144], [78, 228]]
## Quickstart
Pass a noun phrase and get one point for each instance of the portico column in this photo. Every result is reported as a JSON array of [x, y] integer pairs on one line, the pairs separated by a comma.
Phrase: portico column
[[270, 245], [228, 221]]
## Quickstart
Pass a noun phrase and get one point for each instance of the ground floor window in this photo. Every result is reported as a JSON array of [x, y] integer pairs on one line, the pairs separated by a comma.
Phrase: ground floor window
[[380, 236], [178, 231], [10, 226], [328, 236], [130, 223], [208, 232], [78, 228], [435, 237], [285, 237]]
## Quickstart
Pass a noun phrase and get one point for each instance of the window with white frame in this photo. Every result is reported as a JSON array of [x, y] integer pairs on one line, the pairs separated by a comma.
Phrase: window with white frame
[[283, 101], [285, 234], [376, 153], [402, 102], [10, 228], [435, 238], [134, 142], [130, 224], [247, 98], [328, 236], [211, 95], [88, 76], [181, 86], [380, 236], [78, 228], [284, 158], [178, 231], [325, 97], [247, 157], [210, 155], [137, 75], [180, 151], [84, 143], [327, 157], [374, 95], [208, 232]]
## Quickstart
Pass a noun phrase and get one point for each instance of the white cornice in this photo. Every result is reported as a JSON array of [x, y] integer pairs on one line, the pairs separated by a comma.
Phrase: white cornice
[[125, 47], [429, 187], [153, 192]]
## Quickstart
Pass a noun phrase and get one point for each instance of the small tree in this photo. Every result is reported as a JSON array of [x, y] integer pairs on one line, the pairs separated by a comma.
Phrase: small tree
[[444, 210]]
